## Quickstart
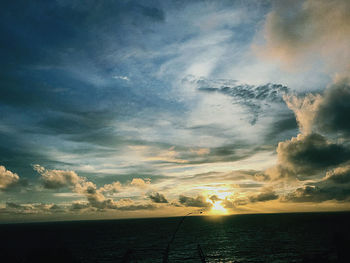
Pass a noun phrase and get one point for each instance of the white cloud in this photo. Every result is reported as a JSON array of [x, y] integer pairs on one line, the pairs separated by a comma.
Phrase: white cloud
[[122, 78], [7, 178], [142, 183], [54, 179]]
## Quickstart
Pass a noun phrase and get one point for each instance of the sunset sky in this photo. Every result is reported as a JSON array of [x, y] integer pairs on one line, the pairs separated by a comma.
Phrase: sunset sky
[[117, 109]]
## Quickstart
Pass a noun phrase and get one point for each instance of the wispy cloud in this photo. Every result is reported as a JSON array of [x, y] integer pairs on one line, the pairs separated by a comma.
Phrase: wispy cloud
[[122, 78]]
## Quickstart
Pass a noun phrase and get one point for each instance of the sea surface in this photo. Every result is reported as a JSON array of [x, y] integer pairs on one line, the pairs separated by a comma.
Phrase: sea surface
[[275, 238]]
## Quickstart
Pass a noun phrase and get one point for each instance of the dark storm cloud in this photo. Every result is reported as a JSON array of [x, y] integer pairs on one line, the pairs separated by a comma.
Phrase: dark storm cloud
[[318, 194], [334, 110], [334, 186], [199, 201], [339, 175], [307, 155], [323, 122], [312, 151], [157, 198], [294, 32]]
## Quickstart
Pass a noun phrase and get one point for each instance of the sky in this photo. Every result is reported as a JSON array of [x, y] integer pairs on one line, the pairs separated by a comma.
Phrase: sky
[[123, 109]]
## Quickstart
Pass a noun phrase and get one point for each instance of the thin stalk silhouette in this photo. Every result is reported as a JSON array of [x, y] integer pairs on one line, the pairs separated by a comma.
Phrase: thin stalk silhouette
[[166, 253]]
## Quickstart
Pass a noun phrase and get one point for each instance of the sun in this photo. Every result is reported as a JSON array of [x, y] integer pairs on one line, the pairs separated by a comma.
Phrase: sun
[[218, 209]]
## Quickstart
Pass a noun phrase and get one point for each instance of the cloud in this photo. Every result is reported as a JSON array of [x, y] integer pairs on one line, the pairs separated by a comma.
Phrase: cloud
[[78, 125], [327, 112], [297, 31], [139, 182], [122, 78], [93, 104], [157, 198], [261, 177], [322, 119], [55, 179], [129, 205], [114, 187], [334, 110], [305, 109], [214, 198], [266, 195], [7, 178], [97, 200], [282, 127], [307, 154], [201, 151], [96, 196], [35, 208], [230, 87], [321, 151], [123, 204], [314, 193], [339, 175], [224, 153], [12, 208], [93, 195], [335, 185], [199, 201], [78, 205], [233, 203], [254, 98], [238, 201]]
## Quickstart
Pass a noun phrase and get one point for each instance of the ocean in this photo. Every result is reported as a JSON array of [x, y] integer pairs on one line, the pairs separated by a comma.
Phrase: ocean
[[275, 238]]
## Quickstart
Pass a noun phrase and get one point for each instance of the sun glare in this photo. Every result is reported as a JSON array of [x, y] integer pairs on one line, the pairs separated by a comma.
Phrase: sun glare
[[218, 209]]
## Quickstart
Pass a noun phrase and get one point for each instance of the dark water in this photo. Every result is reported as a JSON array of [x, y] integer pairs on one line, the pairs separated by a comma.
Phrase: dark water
[[309, 237]]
